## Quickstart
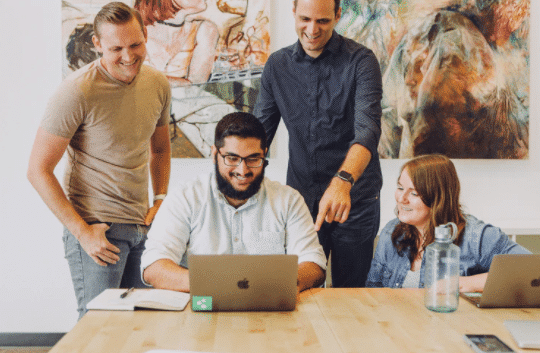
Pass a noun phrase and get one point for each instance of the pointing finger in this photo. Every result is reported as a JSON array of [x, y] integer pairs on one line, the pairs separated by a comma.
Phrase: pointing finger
[[319, 221]]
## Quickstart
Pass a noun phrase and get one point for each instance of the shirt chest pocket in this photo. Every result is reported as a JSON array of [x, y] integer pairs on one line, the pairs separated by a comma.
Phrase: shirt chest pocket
[[266, 243]]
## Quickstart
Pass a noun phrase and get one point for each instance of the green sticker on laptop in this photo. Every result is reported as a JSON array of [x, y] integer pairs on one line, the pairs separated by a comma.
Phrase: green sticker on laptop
[[200, 303]]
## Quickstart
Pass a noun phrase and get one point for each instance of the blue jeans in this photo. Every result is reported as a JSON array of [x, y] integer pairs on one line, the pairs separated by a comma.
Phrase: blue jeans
[[351, 243], [90, 279]]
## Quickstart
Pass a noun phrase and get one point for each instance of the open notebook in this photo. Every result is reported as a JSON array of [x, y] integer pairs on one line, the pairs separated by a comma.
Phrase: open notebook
[[157, 299]]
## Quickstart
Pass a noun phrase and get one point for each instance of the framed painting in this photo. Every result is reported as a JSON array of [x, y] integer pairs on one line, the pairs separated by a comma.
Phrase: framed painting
[[212, 51], [455, 74]]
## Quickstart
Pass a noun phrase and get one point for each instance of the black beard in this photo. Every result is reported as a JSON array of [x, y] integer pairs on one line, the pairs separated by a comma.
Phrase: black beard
[[228, 190]]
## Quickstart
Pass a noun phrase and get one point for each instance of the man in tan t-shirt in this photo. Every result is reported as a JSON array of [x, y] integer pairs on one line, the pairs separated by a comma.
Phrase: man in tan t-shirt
[[111, 117]]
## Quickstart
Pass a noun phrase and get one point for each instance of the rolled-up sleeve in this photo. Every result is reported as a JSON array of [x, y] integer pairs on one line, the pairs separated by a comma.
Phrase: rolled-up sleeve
[[170, 232], [374, 279], [266, 108], [302, 239], [379, 261], [367, 103]]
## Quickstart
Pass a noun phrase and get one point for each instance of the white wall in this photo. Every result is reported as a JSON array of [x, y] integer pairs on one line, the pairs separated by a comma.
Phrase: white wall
[[35, 287]]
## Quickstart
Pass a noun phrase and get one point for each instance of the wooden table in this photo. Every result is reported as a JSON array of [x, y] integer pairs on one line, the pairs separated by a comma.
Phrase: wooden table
[[325, 320]]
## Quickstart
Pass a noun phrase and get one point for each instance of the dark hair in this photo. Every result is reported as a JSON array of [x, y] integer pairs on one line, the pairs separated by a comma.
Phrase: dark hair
[[116, 13], [156, 10], [337, 3], [242, 125], [436, 181]]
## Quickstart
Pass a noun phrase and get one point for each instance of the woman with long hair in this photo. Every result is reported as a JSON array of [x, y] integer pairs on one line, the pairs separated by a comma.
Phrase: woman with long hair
[[427, 195]]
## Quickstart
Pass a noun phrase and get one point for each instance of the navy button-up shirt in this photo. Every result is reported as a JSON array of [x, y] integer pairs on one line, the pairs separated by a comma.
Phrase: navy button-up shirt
[[328, 104]]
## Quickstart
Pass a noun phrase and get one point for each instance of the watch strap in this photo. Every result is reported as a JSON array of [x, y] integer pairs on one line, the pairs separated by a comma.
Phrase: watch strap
[[159, 197], [343, 175]]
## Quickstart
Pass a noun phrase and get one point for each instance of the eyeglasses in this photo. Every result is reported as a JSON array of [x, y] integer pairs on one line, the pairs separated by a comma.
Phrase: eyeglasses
[[234, 161]]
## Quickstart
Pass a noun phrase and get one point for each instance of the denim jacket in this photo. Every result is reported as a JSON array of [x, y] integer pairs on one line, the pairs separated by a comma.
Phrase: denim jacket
[[480, 243]]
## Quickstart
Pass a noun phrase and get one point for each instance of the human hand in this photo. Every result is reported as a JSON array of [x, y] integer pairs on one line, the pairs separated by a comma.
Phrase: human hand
[[302, 294], [152, 212], [335, 204], [471, 284], [95, 244], [298, 292]]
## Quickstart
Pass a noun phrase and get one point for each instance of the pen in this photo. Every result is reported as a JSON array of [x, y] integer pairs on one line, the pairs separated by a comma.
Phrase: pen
[[125, 294]]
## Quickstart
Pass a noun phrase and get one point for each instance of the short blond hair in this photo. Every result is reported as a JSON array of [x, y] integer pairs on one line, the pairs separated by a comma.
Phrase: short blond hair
[[116, 13]]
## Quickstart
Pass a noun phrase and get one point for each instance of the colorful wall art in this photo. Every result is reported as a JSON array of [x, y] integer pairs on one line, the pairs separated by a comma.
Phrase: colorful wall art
[[212, 51], [455, 74]]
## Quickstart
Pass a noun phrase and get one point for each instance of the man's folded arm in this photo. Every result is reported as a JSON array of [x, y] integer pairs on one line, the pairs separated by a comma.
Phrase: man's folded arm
[[309, 275], [303, 241], [165, 274], [166, 244]]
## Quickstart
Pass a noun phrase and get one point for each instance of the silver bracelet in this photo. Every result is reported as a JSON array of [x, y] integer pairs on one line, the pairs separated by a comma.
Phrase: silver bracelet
[[159, 197]]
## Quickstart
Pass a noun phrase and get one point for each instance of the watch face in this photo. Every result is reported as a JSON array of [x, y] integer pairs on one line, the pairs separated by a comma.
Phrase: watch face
[[345, 174]]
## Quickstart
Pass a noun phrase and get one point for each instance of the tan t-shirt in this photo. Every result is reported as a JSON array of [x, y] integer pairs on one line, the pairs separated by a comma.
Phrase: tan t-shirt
[[110, 124]]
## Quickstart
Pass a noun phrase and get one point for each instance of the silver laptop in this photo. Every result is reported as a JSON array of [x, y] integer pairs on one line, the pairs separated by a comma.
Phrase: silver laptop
[[243, 282], [526, 333], [513, 282]]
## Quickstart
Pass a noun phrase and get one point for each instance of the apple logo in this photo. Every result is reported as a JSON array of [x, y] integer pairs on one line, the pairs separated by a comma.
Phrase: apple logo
[[243, 284], [535, 282]]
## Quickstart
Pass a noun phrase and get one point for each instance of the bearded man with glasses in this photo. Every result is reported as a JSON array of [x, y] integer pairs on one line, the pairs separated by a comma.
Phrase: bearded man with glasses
[[234, 210]]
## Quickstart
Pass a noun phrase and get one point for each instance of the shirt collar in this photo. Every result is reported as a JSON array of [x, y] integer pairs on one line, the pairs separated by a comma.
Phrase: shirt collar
[[332, 46], [334, 43], [106, 73]]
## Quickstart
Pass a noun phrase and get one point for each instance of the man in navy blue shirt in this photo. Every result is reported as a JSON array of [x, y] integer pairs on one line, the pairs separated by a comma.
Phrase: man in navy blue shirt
[[328, 91]]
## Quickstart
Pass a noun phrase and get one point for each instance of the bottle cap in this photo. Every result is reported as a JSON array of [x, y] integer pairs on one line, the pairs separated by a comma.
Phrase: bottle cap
[[442, 232], [446, 232]]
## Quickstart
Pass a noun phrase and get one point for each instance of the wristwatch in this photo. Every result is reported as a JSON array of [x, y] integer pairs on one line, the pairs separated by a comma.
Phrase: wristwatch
[[343, 175], [159, 197]]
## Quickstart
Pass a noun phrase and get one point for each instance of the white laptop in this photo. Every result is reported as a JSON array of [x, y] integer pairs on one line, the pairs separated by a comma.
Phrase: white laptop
[[513, 282], [243, 282]]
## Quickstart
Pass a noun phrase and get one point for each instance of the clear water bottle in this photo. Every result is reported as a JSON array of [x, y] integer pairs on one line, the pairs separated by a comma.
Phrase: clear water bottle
[[442, 271]]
